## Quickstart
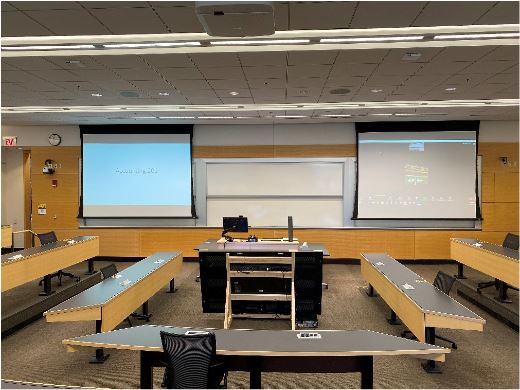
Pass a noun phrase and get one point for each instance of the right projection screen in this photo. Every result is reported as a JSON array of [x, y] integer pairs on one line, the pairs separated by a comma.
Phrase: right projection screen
[[417, 175]]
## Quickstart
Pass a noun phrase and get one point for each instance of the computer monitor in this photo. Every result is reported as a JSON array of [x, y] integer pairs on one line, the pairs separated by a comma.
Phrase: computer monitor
[[235, 224], [290, 228]]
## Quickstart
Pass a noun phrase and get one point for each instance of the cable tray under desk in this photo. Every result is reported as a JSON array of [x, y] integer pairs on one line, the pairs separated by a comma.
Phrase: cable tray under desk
[[272, 297]]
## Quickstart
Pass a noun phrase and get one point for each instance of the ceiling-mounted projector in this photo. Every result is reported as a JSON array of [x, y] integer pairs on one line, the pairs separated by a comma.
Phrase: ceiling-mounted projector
[[236, 19]]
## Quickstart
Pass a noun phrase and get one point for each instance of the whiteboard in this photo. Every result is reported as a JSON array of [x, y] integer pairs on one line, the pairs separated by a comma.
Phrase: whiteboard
[[270, 178], [266, 191], [274, 212]]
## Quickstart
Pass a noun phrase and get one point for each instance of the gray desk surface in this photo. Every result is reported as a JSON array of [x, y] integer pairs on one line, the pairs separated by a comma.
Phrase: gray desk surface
[[266, 342], [38, 250], [425, 295], [486, 246], [213, 246], [111, 287]]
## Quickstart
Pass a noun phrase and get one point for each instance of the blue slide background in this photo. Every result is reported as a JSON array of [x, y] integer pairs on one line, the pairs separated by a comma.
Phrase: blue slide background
[[144, 174]]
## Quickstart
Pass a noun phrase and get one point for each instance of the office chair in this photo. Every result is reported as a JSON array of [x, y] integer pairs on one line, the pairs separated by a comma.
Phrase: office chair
[[511, 242], [191, 362], [108, 271], [444, 283], [49, 238]]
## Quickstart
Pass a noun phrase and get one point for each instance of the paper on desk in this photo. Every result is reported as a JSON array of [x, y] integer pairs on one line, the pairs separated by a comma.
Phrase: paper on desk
[[408, 287], [380, 263], [116, 276], [16, 257], [478, 244], [159, 261], [71, 242], [125, 282]]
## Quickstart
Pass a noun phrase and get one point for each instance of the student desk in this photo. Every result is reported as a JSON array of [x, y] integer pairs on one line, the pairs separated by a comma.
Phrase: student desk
[[308, 277], [115, 298], [30, 264], [422, 308], [493, 260], [7, 236], [260, 351]]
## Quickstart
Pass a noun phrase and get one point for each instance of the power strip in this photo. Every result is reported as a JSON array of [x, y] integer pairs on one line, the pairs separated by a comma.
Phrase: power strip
[[308, 335]]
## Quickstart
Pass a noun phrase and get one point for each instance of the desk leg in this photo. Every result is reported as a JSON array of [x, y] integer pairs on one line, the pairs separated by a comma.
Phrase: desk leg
[[146, 371], [502, 293], [367, 372], [90, 267], [393, 320], [172, 286], [460, 271], [100, 355], [430, 366], [255, 373], [47, 289], [371, 292]]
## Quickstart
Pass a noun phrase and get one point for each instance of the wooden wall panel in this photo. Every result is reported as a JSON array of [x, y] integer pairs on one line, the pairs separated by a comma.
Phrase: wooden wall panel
[[488, 187], [431, 244], [315, 150], [491, 153], [67, 158], [233, 151], [500, 217], [506, 187], [60, 215], [246, 151], [66, 191]]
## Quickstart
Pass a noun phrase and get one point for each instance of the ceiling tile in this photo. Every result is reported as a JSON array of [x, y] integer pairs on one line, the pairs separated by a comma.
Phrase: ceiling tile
[[303, 92], [181, 73], [45, 5], [446, 68], [234, 100], [168, 60], [224, 93], [69, 22], [135, 21], [348, 70], [215, 59], [312, 57], [138, 74], [276, 58], [30, 63], [379, 79], [56, 75], [393, 68], [268, 93], [502, 78], [281, 16], [158, 84], [320, 15], [121, 61], [114, 4], [220, 73], [373, 14], [266, 83], [303, 71], [509, 53], [85, 62], [488, 67], [426, 55], [365, 56], [8, 88], [95, 74], [502, 12], [16, 24], [7, 7], [263, 72], [231, 85], [308, 82], [452, 13], [77, 85], [346, 81], [180, 19], [191, 84]]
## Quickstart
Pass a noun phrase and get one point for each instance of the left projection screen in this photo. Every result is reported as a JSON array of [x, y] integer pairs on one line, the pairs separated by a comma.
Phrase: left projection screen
[[137, 175]]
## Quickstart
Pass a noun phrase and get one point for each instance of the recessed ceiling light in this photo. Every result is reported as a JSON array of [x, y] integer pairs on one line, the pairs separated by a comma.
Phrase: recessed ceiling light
[[373, 39], [261, 42], [477, 36], [234, 93], [96, 94], [450, 89], [164, 94], [376, 90], [412, 56]]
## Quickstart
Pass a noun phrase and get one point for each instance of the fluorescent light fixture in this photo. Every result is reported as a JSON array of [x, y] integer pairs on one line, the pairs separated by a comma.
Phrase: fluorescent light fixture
[[290, 116], [477, 36], [96, 94], [215, 117], [336, 115], [164, 94], [404, 114], [376, 90], [373, 39], [234, 93], [48, 47], [246, 117], [261, 42], [149, 44], [176, 117]]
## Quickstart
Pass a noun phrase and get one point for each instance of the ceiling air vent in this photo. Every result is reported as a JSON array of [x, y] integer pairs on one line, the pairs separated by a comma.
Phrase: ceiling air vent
[[235, 18]]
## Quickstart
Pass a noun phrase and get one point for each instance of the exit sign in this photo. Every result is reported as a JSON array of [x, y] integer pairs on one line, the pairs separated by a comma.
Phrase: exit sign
[[8, 141]]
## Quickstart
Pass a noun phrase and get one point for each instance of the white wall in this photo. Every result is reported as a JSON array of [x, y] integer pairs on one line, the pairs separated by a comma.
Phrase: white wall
[[268, 134], [13, 192]]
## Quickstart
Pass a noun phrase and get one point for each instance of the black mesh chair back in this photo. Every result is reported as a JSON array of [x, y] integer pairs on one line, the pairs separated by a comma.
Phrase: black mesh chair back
[[188, 359], [47, 238], [108, 271], [444, 282], [511, 241]]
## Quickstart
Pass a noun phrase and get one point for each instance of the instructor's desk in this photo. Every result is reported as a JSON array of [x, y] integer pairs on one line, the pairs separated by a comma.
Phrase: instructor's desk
[[33, 263], [7, 236], [494, 260], [260, 351], [308, 276], [423, 307]]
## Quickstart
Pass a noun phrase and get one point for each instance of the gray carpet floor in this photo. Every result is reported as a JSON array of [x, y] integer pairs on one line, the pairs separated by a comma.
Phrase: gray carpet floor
[[483, 360]]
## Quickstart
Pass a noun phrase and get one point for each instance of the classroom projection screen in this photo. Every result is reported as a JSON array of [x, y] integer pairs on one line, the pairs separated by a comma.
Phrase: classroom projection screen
[[417, 175], [136, 175]]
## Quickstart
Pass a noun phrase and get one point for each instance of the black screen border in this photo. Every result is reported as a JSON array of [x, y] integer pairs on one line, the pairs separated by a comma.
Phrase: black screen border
[[416, 127], [138, 129]]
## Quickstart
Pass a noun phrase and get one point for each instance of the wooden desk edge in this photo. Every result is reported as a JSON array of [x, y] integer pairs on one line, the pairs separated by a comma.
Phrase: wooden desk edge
[[456, 241]]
